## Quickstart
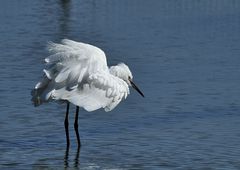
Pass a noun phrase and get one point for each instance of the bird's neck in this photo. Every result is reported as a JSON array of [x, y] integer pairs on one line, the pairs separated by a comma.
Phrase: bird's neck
[[115, 71], [119, 71]]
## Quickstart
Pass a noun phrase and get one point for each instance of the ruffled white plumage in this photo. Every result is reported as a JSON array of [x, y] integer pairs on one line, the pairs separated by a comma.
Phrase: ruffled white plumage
[[78, 73]]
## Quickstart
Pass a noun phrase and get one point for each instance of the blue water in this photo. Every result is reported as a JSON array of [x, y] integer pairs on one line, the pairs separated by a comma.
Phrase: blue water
[[184, 55]]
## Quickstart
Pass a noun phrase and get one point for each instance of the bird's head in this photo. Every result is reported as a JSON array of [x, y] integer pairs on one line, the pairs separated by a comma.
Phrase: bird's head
[[122, 71]]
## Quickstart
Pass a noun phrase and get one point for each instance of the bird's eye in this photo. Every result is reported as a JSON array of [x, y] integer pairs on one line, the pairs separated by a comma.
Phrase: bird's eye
[[129, 78]]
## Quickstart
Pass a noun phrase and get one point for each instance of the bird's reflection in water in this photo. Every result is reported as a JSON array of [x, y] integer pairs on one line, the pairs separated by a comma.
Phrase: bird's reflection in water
[[64, 17], [66, 158], [76, 159]]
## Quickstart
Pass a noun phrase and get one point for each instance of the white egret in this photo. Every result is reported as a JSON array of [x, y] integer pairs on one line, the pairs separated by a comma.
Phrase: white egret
[[77, 73]]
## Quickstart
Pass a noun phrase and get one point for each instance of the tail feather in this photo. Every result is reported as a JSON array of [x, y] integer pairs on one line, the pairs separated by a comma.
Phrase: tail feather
[[39, 92], [36, 99]]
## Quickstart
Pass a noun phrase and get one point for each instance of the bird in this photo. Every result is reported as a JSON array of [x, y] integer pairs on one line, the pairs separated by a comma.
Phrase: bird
[[77, 73]]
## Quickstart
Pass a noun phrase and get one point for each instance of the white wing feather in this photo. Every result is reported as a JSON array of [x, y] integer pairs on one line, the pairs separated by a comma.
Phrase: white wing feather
[[78, 72], [94, 94], [68, 66], [73, 60]]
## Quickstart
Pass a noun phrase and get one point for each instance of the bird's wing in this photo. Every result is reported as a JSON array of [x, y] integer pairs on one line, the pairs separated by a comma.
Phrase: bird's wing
[[102, 90], [68, 66], [72, 61]]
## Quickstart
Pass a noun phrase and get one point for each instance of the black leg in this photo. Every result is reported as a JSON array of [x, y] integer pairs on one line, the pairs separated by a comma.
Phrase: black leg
[[76, 127], [66, 126]]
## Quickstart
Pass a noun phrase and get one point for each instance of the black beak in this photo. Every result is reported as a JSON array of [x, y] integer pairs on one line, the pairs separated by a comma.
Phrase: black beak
[[136, 88]]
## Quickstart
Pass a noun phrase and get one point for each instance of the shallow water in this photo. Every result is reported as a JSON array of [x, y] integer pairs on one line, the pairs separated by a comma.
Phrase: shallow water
[[184, 55]]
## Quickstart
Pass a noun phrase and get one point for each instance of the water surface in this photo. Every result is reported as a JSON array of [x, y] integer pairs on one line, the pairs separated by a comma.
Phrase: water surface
[[184, 55]]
